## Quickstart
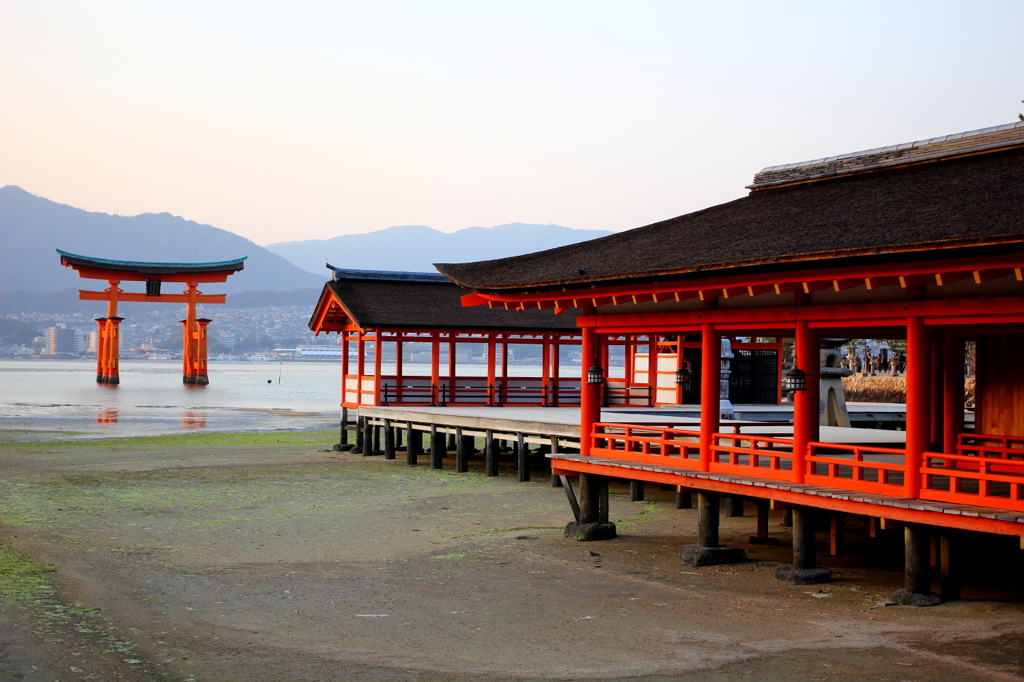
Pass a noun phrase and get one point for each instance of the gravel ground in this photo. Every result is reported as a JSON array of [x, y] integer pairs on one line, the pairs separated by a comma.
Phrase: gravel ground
[[272, 559]]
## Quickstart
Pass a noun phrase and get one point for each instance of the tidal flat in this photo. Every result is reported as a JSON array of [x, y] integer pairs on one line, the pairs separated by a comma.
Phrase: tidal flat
[[265, 556]]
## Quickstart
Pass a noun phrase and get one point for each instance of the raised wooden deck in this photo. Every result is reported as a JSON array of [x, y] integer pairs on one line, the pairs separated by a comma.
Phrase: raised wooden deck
[[889, 507], [659, 446]]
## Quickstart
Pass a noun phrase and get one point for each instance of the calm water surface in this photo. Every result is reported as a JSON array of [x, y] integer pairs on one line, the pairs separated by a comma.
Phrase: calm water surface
[[58, 399], [62, 396]]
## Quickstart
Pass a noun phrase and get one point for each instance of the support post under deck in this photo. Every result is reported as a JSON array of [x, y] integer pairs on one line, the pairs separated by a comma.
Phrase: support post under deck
[[917, 586], [593, 521], [413, 445], [709, 551], [492, 449], [804, 570], [438, 447]]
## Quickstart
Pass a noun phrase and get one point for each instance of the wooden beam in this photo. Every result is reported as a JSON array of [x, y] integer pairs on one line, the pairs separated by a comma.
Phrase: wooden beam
[[142, 298]]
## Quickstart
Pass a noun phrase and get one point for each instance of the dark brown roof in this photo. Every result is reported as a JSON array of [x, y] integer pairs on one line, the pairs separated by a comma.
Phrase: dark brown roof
[[382, 300], [959, 202]]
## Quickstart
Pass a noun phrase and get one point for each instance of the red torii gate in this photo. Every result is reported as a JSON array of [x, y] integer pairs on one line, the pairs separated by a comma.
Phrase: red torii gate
[[153, 274]]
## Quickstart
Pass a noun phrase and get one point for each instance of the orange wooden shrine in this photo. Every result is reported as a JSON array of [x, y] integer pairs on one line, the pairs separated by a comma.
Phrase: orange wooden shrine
[[921, 241]]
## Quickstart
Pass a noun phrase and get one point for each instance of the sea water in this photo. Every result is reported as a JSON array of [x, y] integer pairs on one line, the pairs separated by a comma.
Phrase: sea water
[[60, 399]]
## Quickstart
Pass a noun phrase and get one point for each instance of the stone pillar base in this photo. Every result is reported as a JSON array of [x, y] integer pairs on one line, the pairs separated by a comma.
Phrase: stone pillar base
[[905, 598], [802, 576], [588, 532], [695, 555]]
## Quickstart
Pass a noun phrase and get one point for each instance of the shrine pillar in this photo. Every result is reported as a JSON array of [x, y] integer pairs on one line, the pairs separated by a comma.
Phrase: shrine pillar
[[806, 403], [202, 373], [590, 387], [189, 337], [710, 392], [919, 365], [101, 350], [113, 350], [953, 393]]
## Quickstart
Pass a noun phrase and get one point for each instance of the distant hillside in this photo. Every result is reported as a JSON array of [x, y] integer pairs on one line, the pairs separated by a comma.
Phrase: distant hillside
[[32, 227], [415, 248], [65, 302]]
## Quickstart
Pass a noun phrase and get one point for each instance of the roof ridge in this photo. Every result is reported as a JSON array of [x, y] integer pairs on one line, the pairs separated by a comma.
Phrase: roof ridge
[[387, 275], [955, 144]]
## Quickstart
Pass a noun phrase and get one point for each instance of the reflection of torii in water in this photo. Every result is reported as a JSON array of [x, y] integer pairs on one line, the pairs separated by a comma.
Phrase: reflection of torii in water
[[153, 274]]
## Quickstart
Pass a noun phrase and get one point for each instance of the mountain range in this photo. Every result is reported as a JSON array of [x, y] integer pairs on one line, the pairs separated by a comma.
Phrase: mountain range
[[415, 248], [32, 228]]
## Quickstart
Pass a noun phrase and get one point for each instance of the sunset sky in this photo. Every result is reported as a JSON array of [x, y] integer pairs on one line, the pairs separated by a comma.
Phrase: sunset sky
[[282, 121]]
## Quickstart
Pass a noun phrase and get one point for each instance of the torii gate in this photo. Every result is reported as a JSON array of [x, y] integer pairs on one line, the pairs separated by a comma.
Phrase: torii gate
[[153, 274]]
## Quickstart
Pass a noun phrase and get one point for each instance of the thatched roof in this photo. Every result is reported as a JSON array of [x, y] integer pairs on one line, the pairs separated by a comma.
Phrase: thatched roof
[[964, 197]]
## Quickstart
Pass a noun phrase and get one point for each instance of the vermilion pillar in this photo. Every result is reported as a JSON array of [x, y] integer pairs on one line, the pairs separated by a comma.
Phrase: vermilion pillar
[[652, 368], [113, 350], [918, 402], [101, 350], [187, 352], [936, 391], [710, 392], [492, 397], [806, 403], [953, 392], [190, 337], [202, 373], [590, 394]]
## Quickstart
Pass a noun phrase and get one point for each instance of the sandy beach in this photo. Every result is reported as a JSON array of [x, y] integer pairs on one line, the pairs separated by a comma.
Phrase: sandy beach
[[267, 557]]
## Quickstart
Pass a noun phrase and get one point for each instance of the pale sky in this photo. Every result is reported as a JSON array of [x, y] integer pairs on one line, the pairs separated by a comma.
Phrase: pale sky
[[283, 121]]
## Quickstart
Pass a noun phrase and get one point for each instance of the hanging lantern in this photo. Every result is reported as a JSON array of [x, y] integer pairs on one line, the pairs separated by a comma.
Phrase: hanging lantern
[[683, 375], [595, 375], [794, 380]]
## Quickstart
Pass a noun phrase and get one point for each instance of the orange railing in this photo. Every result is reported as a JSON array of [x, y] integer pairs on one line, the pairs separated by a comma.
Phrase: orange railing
[[762, 457], [856, 467], [994, 479], [649, 444], [985, 445], [986, 471]]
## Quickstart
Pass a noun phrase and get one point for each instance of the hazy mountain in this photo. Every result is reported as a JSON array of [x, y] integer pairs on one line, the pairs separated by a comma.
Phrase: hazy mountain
[[416, 248], [32, 227]]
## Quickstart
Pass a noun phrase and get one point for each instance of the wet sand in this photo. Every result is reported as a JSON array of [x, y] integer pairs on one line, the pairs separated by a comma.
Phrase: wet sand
[[282, 561]]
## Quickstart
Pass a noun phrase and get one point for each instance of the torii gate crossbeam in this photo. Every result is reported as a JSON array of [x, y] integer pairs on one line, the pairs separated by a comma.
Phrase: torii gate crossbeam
[[194, 369]]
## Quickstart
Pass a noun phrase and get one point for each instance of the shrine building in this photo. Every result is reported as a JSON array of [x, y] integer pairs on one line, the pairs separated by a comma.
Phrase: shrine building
[[435, 352], [922, 241]]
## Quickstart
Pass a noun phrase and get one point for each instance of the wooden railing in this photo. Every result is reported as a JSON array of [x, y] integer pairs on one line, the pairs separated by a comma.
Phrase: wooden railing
[[856, 467], [649, 444], [987, 471], [994, 479], [761, 457], [521, 392]]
